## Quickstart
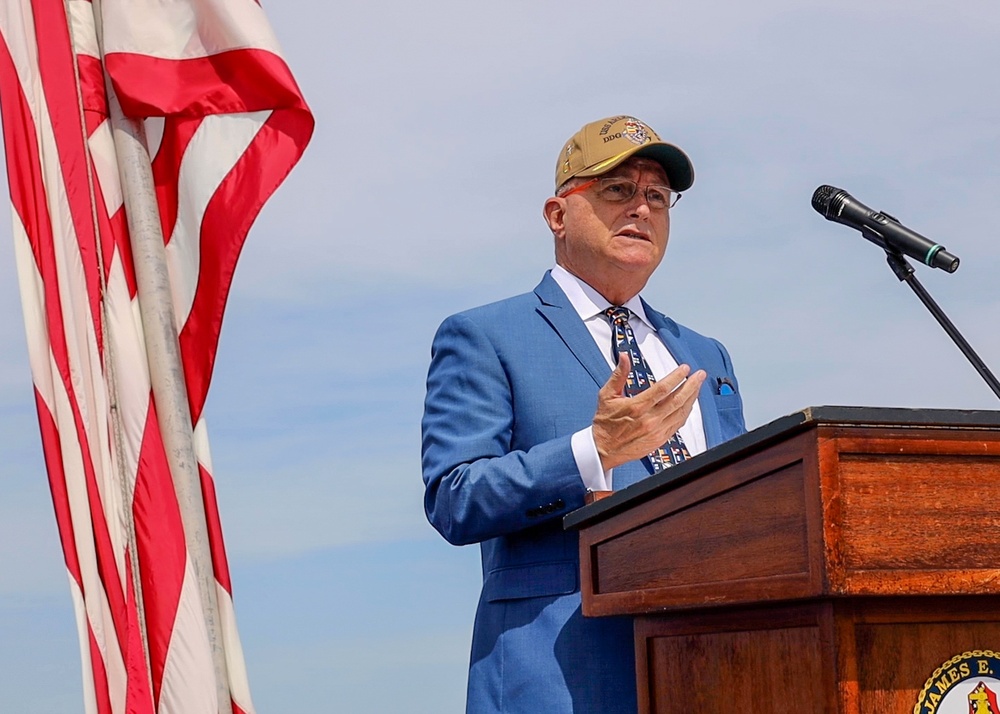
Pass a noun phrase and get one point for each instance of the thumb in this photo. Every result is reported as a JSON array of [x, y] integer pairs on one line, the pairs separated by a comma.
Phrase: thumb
[[616, 382]]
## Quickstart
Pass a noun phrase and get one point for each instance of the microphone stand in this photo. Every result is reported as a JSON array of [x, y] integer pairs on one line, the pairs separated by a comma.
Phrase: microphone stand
[[904, 271]]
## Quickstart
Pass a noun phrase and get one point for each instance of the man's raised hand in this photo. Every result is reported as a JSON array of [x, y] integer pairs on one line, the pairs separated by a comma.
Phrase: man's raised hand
[[628, 428]]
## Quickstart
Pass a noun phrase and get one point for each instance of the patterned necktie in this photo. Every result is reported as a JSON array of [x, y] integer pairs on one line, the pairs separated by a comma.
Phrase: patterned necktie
[[639, 379]]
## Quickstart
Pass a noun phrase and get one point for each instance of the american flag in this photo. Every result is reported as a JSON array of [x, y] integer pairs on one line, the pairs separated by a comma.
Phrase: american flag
[[225, 122]]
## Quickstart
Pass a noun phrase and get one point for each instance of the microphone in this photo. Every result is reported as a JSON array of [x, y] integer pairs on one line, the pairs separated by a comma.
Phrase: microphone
[[836, 204]]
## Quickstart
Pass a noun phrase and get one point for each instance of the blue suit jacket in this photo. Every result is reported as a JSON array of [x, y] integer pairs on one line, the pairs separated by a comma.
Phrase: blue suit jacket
[[508, 385]]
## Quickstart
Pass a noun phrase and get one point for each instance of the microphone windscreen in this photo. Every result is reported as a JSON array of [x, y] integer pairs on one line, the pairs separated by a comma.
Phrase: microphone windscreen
[[822, 197]]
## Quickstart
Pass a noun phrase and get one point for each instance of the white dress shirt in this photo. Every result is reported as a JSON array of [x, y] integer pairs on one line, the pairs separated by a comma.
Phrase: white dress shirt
[[590, 306]]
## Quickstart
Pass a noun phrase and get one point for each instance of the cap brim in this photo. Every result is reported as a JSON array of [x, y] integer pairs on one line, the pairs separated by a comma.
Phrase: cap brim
[[675, 162]]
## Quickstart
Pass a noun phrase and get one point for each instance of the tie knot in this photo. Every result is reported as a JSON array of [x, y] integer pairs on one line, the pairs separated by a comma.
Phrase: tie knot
[[618, 315]]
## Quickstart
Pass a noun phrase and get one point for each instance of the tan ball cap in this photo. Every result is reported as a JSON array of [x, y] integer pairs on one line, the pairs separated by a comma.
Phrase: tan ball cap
[[602, 145]]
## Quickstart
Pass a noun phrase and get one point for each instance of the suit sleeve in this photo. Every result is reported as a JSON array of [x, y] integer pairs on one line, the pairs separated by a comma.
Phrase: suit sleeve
[[477, 484]]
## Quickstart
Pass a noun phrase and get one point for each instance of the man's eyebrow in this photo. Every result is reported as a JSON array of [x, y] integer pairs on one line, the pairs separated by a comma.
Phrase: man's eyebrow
[[658, 181]]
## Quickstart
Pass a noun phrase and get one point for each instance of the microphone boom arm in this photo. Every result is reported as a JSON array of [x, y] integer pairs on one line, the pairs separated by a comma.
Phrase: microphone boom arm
[[904, 271]]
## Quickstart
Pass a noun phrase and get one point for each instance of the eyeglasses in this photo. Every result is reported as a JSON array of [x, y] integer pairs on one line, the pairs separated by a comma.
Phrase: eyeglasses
[[619, 190]]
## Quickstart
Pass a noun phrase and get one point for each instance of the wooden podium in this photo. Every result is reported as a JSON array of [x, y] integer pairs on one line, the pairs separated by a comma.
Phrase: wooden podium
[[831, 561]]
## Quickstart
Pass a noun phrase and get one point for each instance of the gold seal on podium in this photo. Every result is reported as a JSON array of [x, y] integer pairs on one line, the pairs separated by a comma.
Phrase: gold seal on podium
[[968, 683]]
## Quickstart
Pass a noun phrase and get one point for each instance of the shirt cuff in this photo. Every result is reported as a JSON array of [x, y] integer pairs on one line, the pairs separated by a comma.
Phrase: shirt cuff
[[588, 461]]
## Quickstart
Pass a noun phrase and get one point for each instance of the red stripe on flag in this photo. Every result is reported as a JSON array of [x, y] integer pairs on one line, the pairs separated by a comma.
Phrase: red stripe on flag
[[56, 64], [177, 133], [95, 104], [100, 676], [28, 193], [220, 563], [162, 550], [107, 564], [57, 485], [92, 84], [245, 80], [115, 237], [137, 697], [233, 208]]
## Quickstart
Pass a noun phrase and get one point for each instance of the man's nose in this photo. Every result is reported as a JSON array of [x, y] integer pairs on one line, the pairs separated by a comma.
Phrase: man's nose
[[638, 205]]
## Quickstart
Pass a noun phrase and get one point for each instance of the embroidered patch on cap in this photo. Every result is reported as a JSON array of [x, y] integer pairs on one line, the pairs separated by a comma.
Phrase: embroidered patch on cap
[[635, 131]]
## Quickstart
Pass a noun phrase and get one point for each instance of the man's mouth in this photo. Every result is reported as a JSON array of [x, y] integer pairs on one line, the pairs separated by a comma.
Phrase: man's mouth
[[635, 235]]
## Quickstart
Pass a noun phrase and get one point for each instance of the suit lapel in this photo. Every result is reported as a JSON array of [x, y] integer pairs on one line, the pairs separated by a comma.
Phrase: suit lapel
[[684, 354], [557, 310]]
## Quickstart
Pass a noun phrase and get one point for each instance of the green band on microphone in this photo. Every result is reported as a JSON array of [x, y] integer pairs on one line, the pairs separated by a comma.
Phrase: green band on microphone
[[932, 252]]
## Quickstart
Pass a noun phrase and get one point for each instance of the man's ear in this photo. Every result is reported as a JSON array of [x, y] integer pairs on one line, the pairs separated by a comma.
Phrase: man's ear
[[554, 212]]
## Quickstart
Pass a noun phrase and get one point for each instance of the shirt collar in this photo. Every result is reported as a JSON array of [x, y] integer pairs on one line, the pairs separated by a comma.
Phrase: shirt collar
[[588, 302]]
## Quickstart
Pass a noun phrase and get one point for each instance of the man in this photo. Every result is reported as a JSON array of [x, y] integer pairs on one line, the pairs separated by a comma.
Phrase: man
[[534, 400]]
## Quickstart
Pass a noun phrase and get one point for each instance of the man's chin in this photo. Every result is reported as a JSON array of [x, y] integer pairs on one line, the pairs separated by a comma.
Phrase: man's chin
[[639, 259]]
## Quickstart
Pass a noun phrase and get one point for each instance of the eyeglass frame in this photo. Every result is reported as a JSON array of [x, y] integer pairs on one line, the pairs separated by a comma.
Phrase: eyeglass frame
[[587, 184]]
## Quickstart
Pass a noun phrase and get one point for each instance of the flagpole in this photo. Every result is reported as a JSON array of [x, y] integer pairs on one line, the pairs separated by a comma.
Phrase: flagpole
[[166, 371]]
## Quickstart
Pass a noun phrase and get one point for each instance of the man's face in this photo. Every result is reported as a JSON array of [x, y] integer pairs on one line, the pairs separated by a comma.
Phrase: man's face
[[614, 247]]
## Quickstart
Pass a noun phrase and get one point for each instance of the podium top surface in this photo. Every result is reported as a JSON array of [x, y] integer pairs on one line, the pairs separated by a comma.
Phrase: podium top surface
[[777, 430]]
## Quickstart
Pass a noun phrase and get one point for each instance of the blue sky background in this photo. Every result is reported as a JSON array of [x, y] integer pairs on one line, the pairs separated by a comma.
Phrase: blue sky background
[[437, 131]]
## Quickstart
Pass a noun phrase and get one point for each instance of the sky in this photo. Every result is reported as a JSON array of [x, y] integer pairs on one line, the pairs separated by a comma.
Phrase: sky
[[437, 130]]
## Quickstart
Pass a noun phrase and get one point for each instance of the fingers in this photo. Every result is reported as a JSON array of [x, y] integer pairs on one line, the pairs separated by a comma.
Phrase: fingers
[[667, 408], [677, 386], [659, 390], [683, 399]]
